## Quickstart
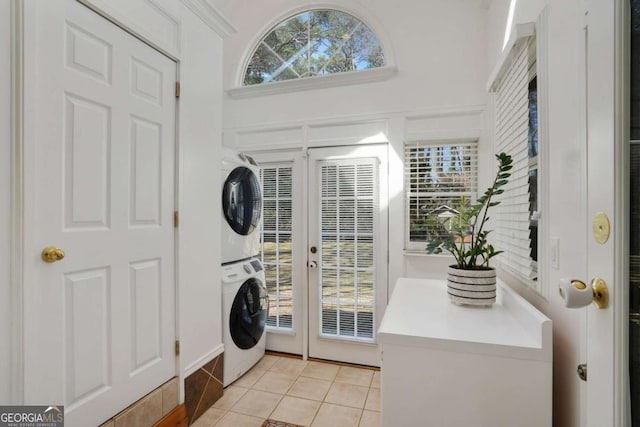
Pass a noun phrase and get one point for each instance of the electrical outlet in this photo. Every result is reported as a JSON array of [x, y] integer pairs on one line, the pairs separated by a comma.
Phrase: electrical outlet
[[554, 252]]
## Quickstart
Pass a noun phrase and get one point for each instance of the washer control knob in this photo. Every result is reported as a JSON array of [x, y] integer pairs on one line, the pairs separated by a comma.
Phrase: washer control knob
[[247, 269]]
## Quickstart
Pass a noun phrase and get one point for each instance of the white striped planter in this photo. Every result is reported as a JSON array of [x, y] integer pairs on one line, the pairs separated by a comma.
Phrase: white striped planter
[[473, 287]]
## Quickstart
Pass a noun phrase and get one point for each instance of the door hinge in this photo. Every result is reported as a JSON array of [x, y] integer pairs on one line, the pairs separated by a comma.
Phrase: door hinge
[[176, 219], [177, 348], [582, 371], [177, 89]]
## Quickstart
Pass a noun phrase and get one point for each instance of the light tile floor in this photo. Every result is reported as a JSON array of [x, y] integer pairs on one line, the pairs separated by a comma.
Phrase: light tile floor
[[307, 393]]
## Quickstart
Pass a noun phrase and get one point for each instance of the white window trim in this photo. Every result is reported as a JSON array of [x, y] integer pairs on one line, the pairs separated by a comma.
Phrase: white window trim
[[316, 82], [522, 33]]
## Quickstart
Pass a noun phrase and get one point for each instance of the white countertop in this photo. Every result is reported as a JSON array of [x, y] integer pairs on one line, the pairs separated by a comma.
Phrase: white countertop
[[421, 314]]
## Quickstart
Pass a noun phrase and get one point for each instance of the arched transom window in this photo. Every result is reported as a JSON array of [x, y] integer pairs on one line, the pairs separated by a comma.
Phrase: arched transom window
[[314, 43]]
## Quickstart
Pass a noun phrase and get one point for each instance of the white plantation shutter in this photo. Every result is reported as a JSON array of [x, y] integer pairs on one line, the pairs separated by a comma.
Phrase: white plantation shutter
[[348, 214], [436, 176], [277, 257], [512, 234]]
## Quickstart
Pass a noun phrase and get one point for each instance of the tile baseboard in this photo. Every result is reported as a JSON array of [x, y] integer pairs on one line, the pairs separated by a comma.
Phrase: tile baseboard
[[203, 388]]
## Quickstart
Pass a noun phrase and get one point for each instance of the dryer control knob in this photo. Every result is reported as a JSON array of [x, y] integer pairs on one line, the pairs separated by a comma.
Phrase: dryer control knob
[[247, 269]]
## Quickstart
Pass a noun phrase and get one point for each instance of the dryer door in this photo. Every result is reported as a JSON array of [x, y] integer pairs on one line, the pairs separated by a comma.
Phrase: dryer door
[[249, 314], [242, 200]]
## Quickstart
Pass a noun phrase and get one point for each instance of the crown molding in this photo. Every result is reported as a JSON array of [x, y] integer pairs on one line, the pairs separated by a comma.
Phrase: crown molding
[[210, 16]]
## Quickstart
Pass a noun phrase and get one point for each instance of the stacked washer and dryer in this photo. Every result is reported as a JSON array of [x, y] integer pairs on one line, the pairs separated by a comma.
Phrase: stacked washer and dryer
[[244, 294]]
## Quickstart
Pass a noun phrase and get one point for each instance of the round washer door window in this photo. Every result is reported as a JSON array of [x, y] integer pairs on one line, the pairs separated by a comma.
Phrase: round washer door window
[[242, 200], [249, 314]]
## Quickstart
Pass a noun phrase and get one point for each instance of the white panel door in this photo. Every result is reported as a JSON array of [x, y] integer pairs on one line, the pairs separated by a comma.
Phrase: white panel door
[[606, 394], [99, 159], [347, 254]]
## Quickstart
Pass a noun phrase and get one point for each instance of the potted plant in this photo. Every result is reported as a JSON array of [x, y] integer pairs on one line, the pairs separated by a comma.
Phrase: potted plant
[[471, 280]]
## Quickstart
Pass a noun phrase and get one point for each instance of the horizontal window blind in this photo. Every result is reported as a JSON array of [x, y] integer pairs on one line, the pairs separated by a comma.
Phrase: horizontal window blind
[[437, 176], [512, 216], [277, 239], [348, 214]]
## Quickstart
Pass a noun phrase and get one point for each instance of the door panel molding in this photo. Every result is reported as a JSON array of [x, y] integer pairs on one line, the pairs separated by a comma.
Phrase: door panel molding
[[17, 199]]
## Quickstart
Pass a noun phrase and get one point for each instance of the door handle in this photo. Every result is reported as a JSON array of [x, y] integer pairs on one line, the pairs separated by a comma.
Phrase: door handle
[[582, 371], [577, 294], [52, 254], [312, 265]]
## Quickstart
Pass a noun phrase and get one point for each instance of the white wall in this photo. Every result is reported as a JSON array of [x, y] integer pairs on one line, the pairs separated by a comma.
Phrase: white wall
[[197, 47], [567, 197], [5, 202], [439, 48], [200, 294]]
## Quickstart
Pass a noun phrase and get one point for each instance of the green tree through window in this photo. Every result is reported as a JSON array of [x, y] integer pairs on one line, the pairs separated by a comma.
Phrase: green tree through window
[[314, 43]]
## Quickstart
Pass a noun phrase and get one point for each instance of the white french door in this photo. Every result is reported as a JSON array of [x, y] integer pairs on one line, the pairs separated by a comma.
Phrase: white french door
[[347, 251], [99, 185], [282, 243], [326, 208]]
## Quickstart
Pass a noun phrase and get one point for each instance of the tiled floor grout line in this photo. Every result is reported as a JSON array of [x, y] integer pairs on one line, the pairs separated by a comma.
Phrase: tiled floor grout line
[[284, 371]]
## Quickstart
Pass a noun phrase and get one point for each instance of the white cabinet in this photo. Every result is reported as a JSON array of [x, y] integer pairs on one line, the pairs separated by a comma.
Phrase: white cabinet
[[450, 365]]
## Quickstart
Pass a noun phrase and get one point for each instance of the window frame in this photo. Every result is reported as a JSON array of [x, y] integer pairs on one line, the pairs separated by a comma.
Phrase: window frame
[[418, 246], [238, 91], [533, 37], [327, 33]]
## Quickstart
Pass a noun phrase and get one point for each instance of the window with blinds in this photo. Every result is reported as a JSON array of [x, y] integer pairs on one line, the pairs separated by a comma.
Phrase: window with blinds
[[348, 213], [516, 132], [276, 243], [437, 176]]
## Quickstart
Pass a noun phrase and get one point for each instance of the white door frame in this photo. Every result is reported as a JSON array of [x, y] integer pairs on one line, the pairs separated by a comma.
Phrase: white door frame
[[608, 23], [18, 233], [621, 404]]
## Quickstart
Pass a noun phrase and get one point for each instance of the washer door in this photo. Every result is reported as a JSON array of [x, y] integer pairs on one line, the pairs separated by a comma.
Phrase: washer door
[[249, 314], [242, 200]]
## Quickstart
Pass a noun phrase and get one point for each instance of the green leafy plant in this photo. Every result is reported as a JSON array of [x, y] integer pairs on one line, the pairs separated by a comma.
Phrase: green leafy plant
[[467, 238]]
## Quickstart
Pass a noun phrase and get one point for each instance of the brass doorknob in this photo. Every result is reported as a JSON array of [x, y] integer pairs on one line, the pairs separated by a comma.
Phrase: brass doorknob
[[52, 254], [577, 294]]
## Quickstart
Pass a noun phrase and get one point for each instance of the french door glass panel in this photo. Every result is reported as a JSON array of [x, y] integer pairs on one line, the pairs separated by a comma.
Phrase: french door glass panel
[[277, 185], [346, 268]]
